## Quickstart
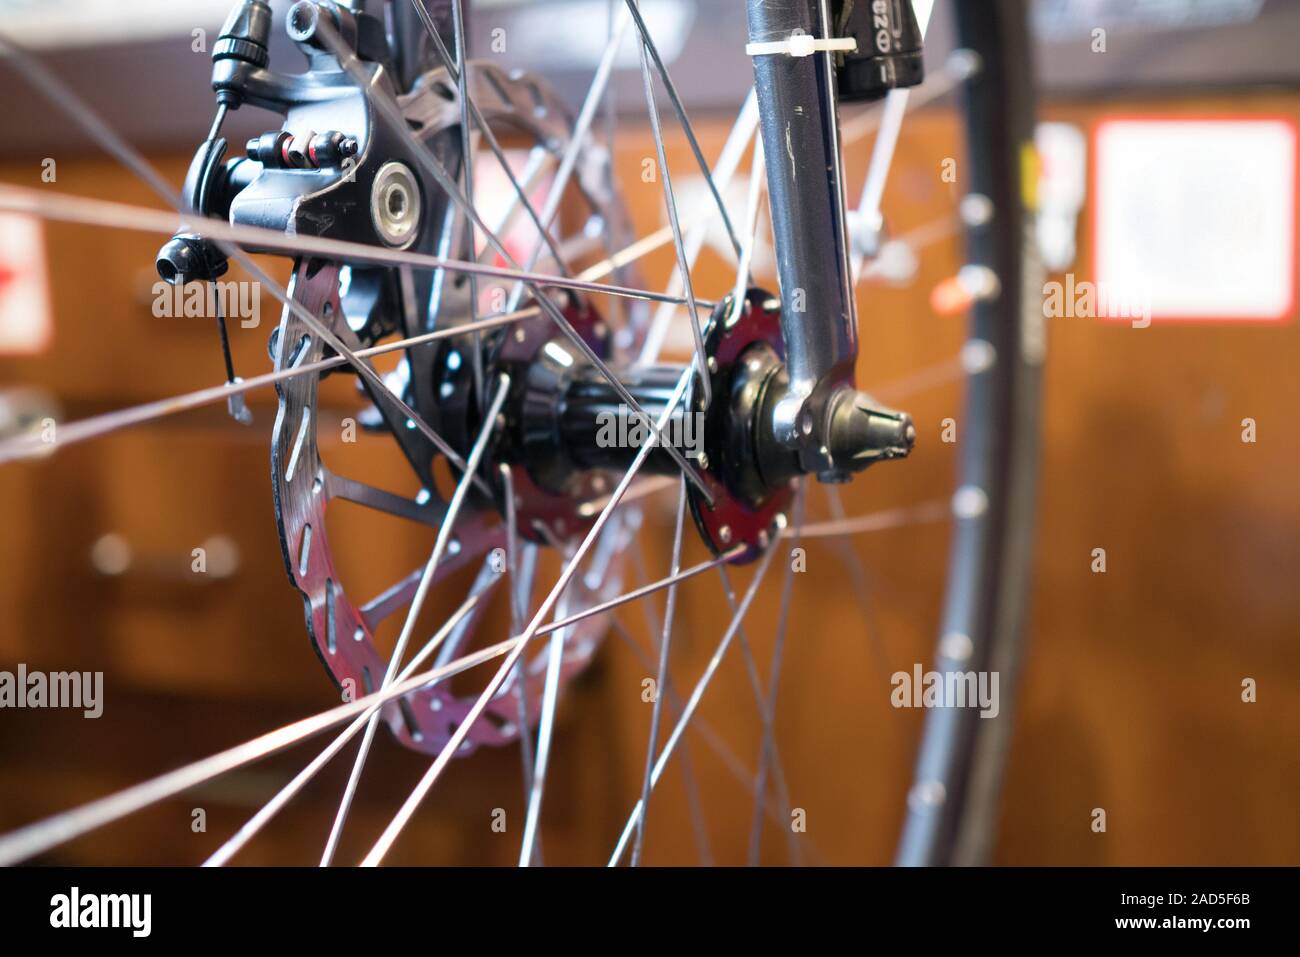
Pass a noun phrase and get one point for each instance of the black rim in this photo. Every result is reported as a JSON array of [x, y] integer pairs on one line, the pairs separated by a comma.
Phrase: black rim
[[952, 806]]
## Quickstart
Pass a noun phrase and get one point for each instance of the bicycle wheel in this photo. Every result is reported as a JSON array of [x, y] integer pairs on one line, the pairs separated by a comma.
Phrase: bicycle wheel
[[517, 330], [953, 804]]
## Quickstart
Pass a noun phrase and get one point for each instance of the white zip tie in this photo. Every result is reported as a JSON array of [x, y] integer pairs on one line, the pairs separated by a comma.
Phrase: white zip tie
[[802, 44]]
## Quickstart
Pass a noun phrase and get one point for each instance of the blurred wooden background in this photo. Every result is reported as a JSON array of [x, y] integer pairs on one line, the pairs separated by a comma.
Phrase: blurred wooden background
[[1132, 686]]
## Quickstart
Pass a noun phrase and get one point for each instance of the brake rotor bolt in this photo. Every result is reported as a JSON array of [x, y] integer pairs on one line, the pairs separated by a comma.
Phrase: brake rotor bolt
[[395, 204], [713, 364]]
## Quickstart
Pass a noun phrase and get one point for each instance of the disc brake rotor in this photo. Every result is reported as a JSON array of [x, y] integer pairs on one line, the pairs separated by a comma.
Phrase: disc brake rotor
[[343, 631]]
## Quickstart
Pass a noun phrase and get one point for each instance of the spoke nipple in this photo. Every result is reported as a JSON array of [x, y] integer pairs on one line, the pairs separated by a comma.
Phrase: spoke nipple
[[963, 64], [956, 646], [980, 282], [975, 209], [926, 795], [977, 355], [969, 501]]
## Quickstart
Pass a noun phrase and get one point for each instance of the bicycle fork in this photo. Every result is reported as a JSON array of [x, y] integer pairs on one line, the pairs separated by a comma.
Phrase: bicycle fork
[[834, 429]]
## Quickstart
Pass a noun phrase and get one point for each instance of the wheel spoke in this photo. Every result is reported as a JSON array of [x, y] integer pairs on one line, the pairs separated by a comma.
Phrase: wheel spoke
[[392, 114], [72, 432], [882, 152], [742, 131], [689, 782], [42, 835], [458, 76], [954, 72], [648, 45], [862, 586], [974, 358], [467, 177], [581, 128], [97, 212], [670, 204], [417, 603], [934, 511], [768, 750], [665, 647], [735, 767], [282, 797], [756, 183], [521, 588], [36, 838], [693, 703], [545, 732], [413, 801], [765, 753]]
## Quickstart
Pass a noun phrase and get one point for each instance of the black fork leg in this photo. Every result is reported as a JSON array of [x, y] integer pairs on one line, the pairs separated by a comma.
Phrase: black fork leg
[[800, 131]]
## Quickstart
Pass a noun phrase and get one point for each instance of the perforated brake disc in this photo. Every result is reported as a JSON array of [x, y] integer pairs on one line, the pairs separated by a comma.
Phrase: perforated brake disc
[[364, 304]]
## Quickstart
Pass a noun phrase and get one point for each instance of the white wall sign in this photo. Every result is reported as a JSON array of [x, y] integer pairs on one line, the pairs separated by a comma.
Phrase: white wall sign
[[1196, 216], [26, 325]]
